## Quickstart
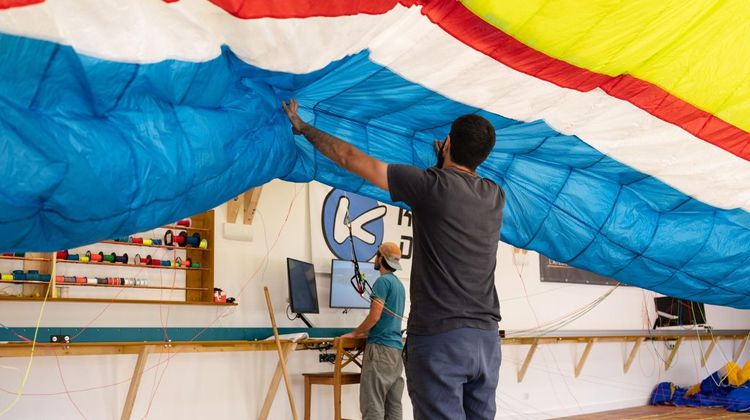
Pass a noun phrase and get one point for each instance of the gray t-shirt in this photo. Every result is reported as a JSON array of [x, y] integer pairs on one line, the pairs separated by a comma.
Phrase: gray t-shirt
[[457, 218]]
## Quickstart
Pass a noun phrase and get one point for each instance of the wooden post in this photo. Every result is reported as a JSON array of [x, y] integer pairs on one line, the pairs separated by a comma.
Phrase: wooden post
[[633, 352], [271, 393], [251, 202], [670, 359], [707, 354], [584, 356], [233, 209], [282, 361], [527, 361], [135, 382]]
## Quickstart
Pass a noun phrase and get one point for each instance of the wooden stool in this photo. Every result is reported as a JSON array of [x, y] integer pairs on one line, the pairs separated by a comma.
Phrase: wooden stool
[[347, 351]]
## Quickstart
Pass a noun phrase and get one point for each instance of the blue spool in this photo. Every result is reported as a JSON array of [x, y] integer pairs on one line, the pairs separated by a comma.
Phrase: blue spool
[[73, 257], [156, 241], [45, 277], [166, 263], [19, 275], [32, 275]]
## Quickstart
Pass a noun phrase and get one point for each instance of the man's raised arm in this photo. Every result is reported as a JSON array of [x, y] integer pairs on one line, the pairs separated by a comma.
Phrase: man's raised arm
[[339, 151]]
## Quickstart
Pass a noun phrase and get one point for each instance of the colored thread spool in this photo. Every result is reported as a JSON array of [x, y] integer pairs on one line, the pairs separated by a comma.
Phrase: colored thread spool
[[184, 222], [19, 254], [194, 240], [62, 255], [7, 276], [19, 275], [85, 258], [195, 265], [32, 275], [178, 262], [157, 241], [181, 239], [203, 244], [147, 260], [137, 240], [101, 281], [122, 239], [148, 242], [168, 237], [69, 279], [45, 277], [59, 279], [73, 257], [81, 280], [166, 263], [97, 257], [122, 259], [155, 262], [110, 258], [187, 262], [92, 280], [7, 254]]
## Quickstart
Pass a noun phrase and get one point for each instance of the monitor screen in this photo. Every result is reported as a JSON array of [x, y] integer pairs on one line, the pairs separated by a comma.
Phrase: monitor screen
[[303, 292], [673, 312], [343, 294]]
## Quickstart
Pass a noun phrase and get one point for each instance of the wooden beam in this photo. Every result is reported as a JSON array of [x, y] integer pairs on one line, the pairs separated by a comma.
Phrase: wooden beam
[[271, 393], [584, 356], [527, 361], [672, 354], [707, 354], [135, 382], [233, 209], [252, 198], [633, 352], [741, 349], [282, 362]]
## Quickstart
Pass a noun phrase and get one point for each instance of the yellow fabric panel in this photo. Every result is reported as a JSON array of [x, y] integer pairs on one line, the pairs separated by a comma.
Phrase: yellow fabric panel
[[697, 50]]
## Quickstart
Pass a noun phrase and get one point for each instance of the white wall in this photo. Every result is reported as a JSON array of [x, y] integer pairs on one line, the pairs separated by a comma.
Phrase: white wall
[[232, 385]]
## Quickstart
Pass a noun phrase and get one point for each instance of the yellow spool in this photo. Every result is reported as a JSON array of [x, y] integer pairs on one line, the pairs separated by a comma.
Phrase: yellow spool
[[7, 277], [148, 242], [85, 258], [203, 244]]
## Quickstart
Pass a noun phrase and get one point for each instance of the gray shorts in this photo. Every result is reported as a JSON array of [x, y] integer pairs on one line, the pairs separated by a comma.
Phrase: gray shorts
[[381, 385]]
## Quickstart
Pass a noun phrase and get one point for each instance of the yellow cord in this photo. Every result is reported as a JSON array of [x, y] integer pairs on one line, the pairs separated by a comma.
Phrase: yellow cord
[[31, 356]]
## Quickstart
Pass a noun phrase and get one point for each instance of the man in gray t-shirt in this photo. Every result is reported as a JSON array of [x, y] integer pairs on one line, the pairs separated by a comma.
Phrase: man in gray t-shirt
[[453, 349]]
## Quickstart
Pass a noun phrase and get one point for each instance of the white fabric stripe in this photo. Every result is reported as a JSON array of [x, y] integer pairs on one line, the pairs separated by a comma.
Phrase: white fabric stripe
[[407, 43]]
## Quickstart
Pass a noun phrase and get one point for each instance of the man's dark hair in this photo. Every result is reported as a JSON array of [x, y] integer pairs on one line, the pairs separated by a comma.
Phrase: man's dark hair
[[472, 139]]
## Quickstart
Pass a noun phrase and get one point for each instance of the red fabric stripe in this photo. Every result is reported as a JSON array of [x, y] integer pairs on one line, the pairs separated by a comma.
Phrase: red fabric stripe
[[249, 9], [470, 29], [7, 4]]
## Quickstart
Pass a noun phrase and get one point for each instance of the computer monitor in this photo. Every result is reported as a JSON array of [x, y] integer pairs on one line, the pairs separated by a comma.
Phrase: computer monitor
[[343, 294], [303, 292], [673, 312]]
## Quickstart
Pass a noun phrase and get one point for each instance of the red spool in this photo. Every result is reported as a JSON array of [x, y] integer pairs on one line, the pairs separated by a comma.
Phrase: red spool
[[97, 257], [59, 279], [183, 222], [81, 280], [137, 240], [62, 255], [155, 262], [7, 254], [180, 239]]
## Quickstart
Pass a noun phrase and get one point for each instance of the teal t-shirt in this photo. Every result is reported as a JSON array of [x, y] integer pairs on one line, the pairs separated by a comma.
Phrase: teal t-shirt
[[387, 331]]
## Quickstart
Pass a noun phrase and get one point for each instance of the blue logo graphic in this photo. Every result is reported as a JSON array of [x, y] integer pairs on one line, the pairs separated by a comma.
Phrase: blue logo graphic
[[366, 216]]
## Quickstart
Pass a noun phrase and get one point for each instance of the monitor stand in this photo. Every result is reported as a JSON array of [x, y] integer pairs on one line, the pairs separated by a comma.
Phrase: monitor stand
[[304, 319]]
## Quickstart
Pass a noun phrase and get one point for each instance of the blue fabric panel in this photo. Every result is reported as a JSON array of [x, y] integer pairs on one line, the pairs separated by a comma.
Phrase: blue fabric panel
[[96, 149]]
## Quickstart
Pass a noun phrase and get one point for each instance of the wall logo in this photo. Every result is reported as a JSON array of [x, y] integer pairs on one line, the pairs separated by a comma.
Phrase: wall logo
[[366, 216]]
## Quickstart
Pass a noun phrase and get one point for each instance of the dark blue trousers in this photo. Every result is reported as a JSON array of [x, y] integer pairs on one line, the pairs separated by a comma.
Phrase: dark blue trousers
[[453, 375]]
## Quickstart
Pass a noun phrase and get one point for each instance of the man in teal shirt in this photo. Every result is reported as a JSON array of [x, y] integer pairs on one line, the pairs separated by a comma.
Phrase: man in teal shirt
[[381, 384]]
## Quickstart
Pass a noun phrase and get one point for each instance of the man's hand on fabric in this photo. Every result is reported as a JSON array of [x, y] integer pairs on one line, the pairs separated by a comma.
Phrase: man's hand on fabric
[[291, 113]]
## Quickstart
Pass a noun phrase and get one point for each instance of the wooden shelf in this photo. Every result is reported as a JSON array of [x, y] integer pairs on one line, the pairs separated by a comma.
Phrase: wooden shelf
[[128, 287], [90, 300], [5, 257], [174, 227], [24, 281], [179, 248], [116, 265]]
